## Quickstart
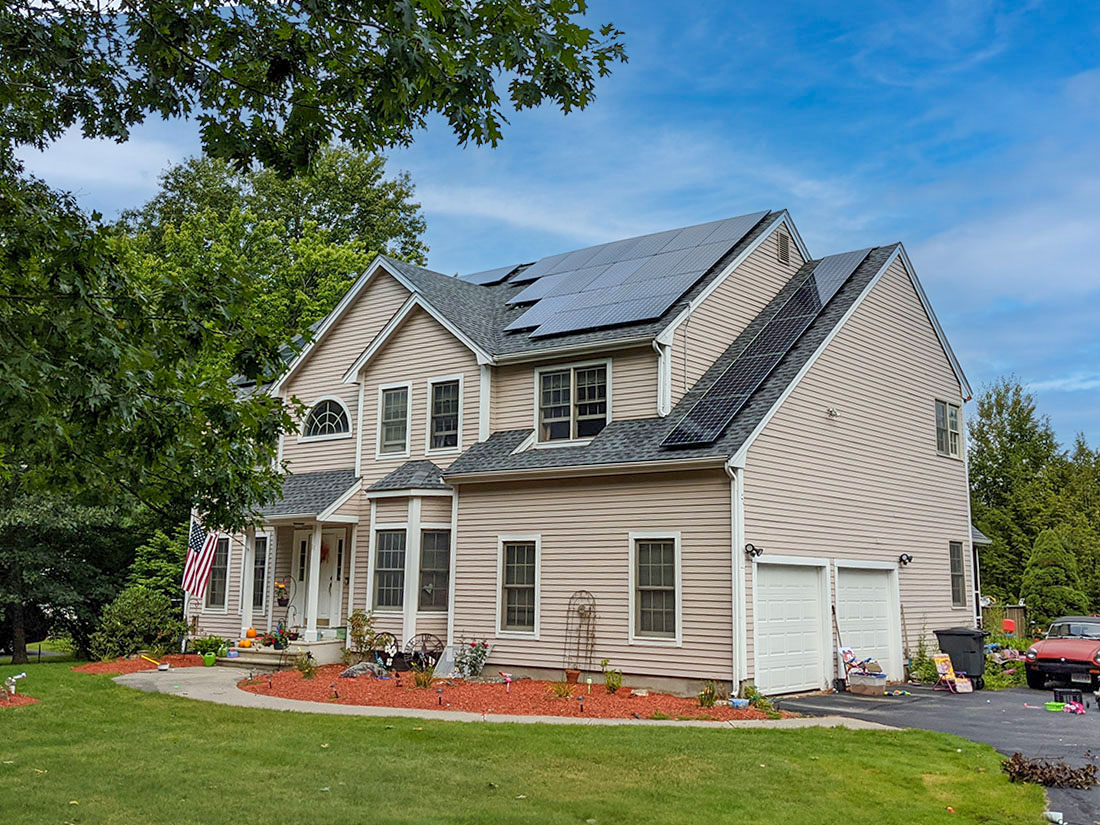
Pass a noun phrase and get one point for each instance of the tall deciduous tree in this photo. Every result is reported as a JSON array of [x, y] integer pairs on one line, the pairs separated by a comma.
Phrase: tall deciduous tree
[[1012, 449]]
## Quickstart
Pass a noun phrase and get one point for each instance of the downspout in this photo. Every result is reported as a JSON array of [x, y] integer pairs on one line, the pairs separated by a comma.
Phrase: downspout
[[739, 663], [664, 377]]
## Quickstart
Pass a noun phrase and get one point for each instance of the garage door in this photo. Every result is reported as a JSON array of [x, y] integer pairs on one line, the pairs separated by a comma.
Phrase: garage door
[[867, 616], [789, 616]]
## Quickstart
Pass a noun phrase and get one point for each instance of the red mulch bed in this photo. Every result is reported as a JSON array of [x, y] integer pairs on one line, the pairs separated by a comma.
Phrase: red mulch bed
[[527, 697], [134, 665], [19, 699]]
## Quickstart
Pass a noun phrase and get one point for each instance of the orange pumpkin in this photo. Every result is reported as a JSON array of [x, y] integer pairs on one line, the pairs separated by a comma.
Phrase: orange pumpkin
[[251, 633], [246, 643]]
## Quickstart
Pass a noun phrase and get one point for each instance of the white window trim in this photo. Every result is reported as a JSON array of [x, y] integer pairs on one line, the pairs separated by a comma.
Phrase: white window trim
[[655, 641], [573, 365], [950, 589], [306, 439], [267, 534], [224, 609], [511, 538], [435, 527], [378, 454], [429, 384], [962, 429], [373, 561]]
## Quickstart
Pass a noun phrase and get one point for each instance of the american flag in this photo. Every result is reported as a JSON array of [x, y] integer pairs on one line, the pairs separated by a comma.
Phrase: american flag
[[200, 558]]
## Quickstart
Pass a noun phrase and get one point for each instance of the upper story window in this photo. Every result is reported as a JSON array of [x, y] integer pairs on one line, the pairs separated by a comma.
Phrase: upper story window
[[327, 419], [393, 420], [445, 399], [572, 401], [948, 429]]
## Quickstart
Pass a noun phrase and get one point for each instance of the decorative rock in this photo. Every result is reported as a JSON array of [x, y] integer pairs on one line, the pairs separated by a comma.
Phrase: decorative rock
[[370, 668]]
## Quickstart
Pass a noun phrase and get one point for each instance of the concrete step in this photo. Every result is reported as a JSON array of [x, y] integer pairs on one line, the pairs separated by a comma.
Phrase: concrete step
[[253, 661]]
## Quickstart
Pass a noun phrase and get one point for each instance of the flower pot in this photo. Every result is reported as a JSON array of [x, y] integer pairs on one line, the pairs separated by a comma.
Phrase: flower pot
[[279, 646], [572, 676], [282, 601]]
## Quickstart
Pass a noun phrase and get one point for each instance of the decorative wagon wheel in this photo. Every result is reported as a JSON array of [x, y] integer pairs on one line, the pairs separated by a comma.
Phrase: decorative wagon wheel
[[385, 649], [423, 649]]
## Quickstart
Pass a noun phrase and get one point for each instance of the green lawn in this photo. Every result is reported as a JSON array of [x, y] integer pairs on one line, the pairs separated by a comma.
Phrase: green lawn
[[128, 757]]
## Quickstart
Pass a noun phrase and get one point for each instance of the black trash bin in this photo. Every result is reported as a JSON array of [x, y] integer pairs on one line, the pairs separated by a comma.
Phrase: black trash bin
[[966, 647]]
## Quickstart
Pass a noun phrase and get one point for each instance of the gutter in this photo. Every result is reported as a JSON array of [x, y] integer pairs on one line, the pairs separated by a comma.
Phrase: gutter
[[621, 468]]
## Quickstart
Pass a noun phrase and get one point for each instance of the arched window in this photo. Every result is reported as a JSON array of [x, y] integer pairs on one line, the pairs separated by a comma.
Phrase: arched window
[[326, 418]]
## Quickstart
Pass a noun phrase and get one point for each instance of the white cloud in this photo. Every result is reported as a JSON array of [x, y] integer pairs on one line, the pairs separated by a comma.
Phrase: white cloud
[[1078, 382]]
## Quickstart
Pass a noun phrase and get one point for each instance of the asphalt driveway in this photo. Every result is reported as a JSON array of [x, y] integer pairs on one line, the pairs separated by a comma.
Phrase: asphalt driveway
[[1002, 719]]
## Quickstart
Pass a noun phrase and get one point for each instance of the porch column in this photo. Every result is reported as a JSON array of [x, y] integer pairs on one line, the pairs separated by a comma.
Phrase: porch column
[[247, 579], [314, 582], [412, 569]]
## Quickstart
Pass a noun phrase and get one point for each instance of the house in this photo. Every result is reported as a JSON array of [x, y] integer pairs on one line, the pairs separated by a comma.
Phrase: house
[[712, 437]]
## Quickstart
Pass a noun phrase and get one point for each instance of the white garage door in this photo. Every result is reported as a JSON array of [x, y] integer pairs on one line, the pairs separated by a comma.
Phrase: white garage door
[[867, 616], [789, 616]]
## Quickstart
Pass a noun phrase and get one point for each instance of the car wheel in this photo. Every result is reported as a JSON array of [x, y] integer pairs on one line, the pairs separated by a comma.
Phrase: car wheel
[[1036, 680]]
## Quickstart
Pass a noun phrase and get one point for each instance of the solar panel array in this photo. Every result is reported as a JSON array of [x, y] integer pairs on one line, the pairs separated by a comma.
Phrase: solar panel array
[[711, 414], [489, 276], [622, 282]]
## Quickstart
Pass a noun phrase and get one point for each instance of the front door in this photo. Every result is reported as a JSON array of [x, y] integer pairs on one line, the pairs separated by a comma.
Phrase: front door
[[330, 580]]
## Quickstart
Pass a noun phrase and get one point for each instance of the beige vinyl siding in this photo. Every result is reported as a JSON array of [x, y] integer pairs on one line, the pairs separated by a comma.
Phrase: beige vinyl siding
[[585, 526], [869, 483], [434, 622], [392, 510], [321, 373], [435, 509], [633, 388], [726, 312], [421, 350]]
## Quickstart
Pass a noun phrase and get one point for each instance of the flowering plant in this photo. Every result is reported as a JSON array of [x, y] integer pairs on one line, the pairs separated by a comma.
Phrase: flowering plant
[[470, 658], [281, 592]]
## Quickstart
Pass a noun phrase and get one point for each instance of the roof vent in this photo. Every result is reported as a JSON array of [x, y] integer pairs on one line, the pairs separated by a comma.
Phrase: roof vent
[[784, 243]]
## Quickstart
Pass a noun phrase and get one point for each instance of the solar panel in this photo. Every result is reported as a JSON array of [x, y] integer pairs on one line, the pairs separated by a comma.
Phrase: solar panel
[[489, 276], [712, 413], [612, 273]]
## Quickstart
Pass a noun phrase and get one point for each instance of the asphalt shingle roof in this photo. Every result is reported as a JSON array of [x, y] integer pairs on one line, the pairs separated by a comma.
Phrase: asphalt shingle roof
[[310, 493], [412, 475], [978, 537], [640, 440]]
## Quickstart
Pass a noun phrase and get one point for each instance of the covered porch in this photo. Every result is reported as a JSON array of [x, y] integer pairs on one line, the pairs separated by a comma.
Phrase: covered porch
[[303, 558]]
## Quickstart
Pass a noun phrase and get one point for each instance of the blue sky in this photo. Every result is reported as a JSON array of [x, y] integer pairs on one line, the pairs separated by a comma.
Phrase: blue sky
[[968, 130]]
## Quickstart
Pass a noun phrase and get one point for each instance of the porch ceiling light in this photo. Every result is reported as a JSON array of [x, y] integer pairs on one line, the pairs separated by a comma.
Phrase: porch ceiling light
[[904, 559], [752, 551]]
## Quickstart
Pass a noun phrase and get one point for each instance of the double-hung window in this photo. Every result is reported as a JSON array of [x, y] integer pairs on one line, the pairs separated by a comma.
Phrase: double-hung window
[[443, 423], [655, 586], [389, 569], [958, 574], [219, 576], [948, 429], [572, 402], [519, 586], [393, 434], [259, 573], [435, 569]]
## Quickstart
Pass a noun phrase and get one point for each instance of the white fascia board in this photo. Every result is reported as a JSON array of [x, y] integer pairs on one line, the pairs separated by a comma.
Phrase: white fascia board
[[963, 383], [665, 336], [738, 458]]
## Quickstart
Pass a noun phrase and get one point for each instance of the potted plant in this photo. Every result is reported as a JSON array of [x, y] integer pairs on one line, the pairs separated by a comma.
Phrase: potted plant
[[572, 675], [282, 595]]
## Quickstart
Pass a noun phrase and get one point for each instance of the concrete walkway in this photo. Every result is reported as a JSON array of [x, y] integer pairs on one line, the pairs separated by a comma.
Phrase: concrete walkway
[[217, 684]]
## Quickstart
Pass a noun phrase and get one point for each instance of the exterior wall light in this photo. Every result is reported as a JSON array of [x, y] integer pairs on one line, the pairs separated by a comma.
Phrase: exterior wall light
[[904, 559], [752, 551]]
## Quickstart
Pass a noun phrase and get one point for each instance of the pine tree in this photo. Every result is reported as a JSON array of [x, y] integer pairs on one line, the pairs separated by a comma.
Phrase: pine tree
[[1051, 586], [158, 563]]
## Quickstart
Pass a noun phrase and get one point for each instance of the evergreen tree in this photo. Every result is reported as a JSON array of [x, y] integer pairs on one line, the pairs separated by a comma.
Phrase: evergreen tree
[[158, 563], [1051, 586]]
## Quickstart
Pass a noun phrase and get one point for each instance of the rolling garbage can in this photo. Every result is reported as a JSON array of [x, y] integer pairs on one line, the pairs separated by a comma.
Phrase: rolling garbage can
[[966, 647]]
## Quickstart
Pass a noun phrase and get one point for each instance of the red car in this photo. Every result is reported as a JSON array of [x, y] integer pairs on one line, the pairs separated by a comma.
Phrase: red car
[[1070, 653]]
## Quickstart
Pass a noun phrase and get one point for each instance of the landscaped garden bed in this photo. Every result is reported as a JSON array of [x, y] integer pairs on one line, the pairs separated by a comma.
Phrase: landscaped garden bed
[[19, 699], [135, 664], [523, 697]]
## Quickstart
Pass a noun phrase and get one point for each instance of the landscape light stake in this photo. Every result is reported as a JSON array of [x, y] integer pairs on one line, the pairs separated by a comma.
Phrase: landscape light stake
[[440, 692], [335, 695]]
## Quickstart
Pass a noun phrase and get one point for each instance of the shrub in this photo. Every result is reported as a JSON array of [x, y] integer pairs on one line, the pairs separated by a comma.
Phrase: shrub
[[999, 677], [423, 675], [759, 701], [612, 679], [711, 694], [361, 636], [138, 619], [1051, 586], [207, 644], [921, 666], [561, 690], [305, 664], [470, 658]]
